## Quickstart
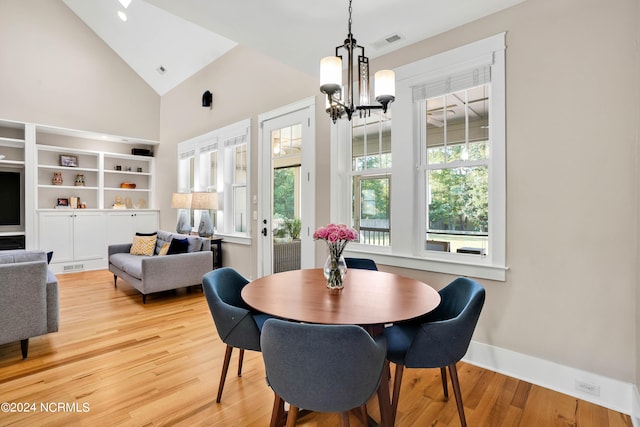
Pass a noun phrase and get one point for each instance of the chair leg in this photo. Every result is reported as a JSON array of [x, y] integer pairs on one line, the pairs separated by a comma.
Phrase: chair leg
[[445, 388], [292, 416], [240, 362], [278, 415], [344, 416], [24, 347], [115, 281], [453, 371], [397, 382], [364, 414], [225, 368]]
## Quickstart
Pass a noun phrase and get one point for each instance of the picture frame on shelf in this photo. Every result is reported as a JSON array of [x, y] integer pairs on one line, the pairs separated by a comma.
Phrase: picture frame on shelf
[[62, 202], [68, 161]]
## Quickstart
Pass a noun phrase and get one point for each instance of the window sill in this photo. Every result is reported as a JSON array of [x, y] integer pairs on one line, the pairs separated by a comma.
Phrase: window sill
[[240, 239], [464, 266]]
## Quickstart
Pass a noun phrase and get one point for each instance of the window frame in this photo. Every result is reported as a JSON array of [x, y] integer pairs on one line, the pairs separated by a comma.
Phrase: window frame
[[223, 142], [407, 246]]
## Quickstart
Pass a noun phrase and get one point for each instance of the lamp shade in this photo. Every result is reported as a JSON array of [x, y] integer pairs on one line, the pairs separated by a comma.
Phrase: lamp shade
[[204, 201], [181, 200]]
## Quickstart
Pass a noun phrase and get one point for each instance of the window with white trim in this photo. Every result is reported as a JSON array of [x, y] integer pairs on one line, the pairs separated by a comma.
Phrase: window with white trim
[[447, 139], [218, 161]]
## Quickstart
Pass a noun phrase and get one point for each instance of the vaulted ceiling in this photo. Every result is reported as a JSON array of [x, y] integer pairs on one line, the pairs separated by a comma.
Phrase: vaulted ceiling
[[167, 41]]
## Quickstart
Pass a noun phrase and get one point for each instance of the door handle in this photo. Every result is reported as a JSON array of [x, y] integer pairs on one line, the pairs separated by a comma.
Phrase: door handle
[[264, 231]]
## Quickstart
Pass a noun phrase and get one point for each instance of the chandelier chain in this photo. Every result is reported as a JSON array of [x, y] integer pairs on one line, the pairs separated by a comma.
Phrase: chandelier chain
[[350, 10]]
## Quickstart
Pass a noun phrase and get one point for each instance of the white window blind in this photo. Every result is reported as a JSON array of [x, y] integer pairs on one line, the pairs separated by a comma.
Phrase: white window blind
[[452, 82]]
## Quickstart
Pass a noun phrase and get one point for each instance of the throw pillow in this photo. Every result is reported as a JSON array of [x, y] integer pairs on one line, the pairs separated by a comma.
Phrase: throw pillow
[[164, 250], [178, 246], [143, 245], [155, 233]]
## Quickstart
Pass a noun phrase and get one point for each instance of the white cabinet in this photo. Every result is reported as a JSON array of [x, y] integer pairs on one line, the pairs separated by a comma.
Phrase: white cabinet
[[123, 225], [78, 239]]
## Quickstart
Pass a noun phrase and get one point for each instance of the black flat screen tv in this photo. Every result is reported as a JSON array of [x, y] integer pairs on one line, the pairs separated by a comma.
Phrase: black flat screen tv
[[10, 198]]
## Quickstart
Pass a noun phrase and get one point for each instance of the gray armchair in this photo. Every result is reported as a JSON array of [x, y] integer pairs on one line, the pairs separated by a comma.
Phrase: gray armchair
[[237, 325], [28, 297], [324, 368]]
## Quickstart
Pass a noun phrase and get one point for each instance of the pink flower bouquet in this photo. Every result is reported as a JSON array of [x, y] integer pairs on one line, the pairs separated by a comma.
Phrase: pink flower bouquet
[[337, 236]]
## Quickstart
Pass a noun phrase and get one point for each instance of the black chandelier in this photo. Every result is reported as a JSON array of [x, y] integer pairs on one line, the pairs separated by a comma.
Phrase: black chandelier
[[331, 82]]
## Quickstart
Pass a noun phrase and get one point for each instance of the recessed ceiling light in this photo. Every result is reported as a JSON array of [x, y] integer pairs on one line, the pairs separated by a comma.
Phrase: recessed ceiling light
[[122, 15], [125, 3]]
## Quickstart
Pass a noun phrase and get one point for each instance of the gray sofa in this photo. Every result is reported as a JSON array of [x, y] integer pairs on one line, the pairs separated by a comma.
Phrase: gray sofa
[[28, 297], [156, 273]]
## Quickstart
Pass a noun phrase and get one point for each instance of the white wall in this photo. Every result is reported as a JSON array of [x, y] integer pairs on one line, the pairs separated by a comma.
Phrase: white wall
[[56, 71]]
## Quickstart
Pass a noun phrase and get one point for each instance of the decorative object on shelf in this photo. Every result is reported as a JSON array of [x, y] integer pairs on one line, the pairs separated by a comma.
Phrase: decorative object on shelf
[[141, 152], [182, 201], [62, 202], [57, 178], [73, 202], [129, 185], [138, 169], [204, 202], [331, 81], [118, 204], [79, 180], [117, 167], [68, 161], [2, 156], [128, 203], [337, 236], [142, 204]]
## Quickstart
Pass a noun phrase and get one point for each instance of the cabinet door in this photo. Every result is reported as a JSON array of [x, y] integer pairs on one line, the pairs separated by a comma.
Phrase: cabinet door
[[120, 227], [89, 236], [56, 234], [123, 225], [145, 222]]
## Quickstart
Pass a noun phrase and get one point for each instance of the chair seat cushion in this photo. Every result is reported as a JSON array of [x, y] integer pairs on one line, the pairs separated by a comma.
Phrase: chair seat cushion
[[130, 264], [260, 318], [399, 338]]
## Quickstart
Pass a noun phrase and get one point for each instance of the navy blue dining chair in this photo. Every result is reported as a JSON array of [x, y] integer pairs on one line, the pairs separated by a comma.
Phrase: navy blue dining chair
[[361, 263], [323, 368], [438, 339], [237, 324]]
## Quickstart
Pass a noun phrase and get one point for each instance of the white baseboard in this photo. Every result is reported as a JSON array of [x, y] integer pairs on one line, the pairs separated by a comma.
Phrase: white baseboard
[[613, 394], [635, 413]]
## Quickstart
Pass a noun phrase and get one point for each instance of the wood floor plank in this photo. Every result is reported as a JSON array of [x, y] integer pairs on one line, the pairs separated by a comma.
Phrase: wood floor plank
[[118, 362]]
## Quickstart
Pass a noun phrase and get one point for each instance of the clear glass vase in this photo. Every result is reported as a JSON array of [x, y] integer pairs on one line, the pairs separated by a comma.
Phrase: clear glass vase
[[334, 271]]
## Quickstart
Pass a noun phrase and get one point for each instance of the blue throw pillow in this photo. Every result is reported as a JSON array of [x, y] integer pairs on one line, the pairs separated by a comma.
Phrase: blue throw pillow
[[178, 246]]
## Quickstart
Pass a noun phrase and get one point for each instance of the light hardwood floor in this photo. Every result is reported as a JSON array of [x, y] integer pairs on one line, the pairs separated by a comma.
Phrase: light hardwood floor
[[117, 362]]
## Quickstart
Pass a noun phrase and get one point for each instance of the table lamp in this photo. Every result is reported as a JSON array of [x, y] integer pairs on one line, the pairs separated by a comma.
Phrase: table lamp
[[182, 201], [204, 202]]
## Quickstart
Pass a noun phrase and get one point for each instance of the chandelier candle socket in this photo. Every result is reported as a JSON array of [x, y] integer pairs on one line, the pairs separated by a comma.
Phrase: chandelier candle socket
[[337, 236]]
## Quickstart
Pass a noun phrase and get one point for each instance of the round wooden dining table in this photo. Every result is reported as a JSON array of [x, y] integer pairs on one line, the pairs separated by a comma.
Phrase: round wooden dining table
[[368, 297]]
